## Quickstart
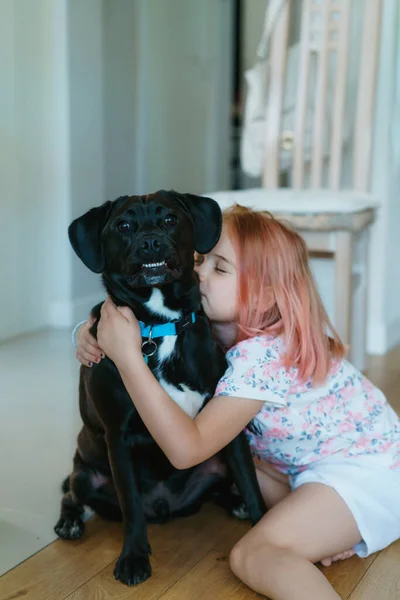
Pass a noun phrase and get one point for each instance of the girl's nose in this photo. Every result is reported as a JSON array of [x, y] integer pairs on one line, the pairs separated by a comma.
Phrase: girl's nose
[[199, 272], [197, 263]]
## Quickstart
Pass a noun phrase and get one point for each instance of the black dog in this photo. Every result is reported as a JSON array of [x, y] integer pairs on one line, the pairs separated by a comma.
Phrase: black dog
[[144, 248]]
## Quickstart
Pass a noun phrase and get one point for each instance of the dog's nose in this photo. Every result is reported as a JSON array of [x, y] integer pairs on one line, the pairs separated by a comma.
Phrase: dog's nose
[[151, 245]]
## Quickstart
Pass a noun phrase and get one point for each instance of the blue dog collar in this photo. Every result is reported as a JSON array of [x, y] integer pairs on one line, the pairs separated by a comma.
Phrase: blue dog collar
[[149, 346], [163, 329]]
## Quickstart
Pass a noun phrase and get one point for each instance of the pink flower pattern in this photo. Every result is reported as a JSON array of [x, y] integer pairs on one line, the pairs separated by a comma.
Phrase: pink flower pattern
[[299, 424]]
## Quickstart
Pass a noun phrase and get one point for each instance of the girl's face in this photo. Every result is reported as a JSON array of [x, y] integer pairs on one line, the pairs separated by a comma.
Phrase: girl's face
[[218, 281]]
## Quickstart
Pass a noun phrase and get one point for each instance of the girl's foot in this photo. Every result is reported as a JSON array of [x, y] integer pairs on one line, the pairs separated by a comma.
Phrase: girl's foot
[[326, 562]]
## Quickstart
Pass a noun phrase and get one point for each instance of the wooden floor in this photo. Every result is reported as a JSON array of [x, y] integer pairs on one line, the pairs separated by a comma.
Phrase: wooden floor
[[190, 555]]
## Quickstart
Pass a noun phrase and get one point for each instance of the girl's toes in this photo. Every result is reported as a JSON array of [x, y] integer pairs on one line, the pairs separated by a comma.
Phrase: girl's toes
[[343, 555], [326, 562]]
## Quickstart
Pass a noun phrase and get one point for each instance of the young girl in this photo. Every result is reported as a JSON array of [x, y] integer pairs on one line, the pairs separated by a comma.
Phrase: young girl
[[325, 441]]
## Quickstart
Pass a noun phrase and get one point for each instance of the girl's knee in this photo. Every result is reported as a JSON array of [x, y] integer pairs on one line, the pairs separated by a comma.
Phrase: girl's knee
[[245, 556], [240, 560], [247, 560], [236, 560]]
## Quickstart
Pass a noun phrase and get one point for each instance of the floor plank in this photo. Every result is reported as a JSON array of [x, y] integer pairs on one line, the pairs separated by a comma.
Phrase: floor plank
[[63, 566], [382, 580], [177, 547], [346, 575], [213, 573], [212, 577]]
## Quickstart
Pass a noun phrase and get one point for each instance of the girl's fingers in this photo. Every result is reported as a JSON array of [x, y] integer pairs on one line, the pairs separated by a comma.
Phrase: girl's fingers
[[104, 311], [108, 308], [126, 312], [89, 353], [91, 345], [81, 359], [87, 358]]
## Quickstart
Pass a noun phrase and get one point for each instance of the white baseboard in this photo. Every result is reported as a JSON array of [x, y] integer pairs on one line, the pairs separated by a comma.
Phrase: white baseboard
[[66, 313], [382, 337]]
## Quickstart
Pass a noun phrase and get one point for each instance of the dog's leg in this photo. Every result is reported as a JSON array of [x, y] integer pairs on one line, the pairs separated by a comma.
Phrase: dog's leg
[[70, 525], [207, 481], [83, 487], [241, 465], [133, 566]]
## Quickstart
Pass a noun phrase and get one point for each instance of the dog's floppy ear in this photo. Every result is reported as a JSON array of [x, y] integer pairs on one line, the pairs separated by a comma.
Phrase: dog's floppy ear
[[85, 236], [207, 220]]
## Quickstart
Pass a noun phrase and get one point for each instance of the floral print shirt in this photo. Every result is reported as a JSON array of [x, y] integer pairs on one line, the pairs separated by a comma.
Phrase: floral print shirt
[[298, 423]]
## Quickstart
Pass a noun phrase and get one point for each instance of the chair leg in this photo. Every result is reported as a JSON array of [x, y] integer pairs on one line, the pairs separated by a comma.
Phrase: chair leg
[[360, 297], [343, 286]]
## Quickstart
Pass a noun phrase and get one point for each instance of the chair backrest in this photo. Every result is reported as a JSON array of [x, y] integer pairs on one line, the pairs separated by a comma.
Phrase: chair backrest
[[334, 93]]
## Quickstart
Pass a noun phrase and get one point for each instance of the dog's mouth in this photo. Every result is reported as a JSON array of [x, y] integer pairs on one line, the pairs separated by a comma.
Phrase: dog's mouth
[[155, 265], [156, 272]]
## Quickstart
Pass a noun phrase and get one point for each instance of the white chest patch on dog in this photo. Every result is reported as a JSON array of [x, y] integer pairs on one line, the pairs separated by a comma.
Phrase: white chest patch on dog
[[156, 305], [189, 400], [166, 348]]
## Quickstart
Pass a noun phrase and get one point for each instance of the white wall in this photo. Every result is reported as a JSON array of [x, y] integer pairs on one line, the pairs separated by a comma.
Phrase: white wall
[[252, 27], [9, 204], [30, 248], [384, 281], [86, 125], [51, 157], [184, 94], [121, 87], [98, 99], [58, 175]]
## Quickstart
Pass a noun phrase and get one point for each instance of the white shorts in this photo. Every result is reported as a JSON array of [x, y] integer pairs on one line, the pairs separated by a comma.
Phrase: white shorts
[[371, 491]]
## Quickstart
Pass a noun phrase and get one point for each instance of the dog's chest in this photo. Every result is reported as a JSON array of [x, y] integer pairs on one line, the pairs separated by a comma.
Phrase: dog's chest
[[189, 400]]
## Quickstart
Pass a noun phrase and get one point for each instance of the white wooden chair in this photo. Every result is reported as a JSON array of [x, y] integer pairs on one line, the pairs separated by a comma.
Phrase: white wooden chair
[[310, 149]]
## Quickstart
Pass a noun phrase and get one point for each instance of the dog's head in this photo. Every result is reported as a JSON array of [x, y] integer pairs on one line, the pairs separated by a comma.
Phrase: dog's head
[[147, 240]]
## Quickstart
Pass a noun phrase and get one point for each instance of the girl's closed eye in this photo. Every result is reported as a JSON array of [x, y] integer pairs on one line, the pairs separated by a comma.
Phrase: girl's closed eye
[[219, 270]]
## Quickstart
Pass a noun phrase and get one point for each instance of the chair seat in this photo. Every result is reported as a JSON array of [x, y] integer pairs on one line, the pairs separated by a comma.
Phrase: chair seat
[[315, 210]]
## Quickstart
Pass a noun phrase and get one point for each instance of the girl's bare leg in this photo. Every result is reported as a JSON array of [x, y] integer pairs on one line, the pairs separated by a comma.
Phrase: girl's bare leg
[[276, 557]]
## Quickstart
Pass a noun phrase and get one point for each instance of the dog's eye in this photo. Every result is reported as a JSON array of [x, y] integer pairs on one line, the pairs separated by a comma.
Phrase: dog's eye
[[170, 220], [123, 226]]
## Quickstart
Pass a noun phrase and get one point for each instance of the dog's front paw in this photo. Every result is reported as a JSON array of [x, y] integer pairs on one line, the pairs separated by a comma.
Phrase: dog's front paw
[[70, 527], [240, 512], [132, 569]]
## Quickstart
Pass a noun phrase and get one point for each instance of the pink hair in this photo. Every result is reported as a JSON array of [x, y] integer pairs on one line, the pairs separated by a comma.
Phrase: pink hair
[[277, 294]]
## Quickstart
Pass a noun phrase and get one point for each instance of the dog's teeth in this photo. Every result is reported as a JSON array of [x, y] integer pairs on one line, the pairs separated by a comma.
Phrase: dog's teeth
[[151, 265]]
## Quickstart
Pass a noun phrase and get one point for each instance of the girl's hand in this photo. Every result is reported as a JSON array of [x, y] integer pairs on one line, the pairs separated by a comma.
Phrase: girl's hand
[[88, 350], [118, 332]]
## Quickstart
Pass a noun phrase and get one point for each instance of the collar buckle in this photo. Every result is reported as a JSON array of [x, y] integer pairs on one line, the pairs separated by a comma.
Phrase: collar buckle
[[149, 346]]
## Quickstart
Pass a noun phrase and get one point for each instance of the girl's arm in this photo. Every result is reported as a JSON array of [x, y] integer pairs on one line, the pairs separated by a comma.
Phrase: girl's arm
[[87, 348], [185, 442]]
